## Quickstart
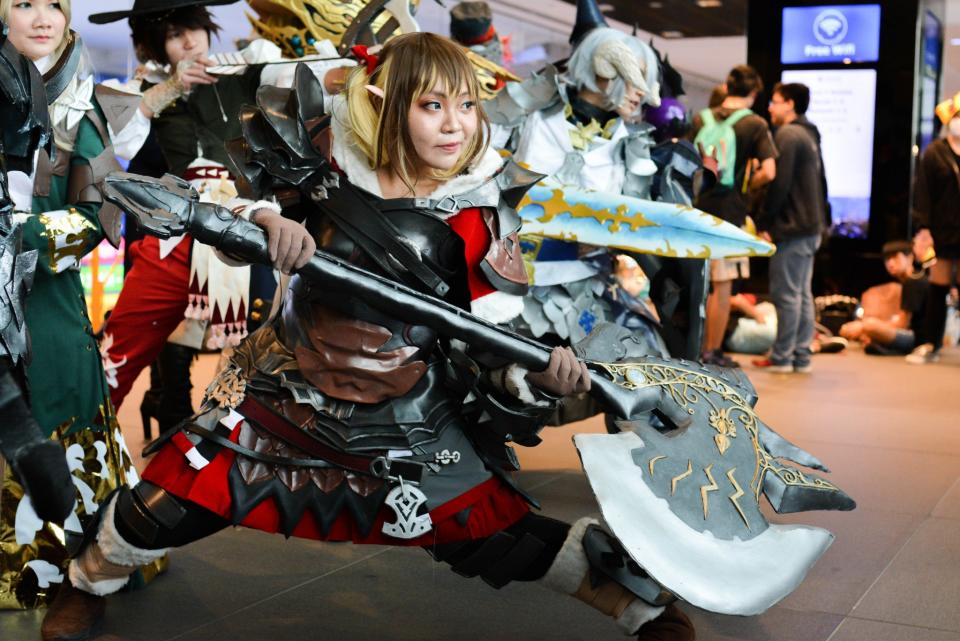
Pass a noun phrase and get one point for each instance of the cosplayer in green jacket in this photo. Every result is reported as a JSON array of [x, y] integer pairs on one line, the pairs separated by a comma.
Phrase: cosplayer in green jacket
[[63, 219]]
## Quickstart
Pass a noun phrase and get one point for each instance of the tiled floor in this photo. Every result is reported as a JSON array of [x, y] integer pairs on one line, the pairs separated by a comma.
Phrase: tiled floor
[[889, 431]]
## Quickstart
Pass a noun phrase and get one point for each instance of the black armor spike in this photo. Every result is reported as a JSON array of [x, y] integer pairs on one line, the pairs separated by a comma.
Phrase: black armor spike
[[515, 181], [589, 17], [291, 506]]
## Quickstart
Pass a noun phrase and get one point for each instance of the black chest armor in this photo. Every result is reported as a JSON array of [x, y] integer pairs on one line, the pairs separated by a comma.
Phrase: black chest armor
[[420, 414]]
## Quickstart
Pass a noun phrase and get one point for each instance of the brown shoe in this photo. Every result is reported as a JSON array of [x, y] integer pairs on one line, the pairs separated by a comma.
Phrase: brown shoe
[[672, 625], [73, 615]]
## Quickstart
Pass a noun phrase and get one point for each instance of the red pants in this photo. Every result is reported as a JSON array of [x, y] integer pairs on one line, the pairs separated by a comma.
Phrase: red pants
[[150, 306]]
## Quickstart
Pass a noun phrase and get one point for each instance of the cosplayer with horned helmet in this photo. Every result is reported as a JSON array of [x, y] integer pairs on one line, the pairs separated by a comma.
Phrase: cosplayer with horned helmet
[[584, 129], [338, 421]]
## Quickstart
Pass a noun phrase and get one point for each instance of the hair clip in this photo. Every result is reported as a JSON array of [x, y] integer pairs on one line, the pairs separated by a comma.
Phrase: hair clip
[[371, 59]]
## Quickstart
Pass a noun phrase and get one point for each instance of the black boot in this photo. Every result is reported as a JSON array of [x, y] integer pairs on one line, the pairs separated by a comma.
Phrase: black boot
[[936, 316], [151, 403], [174, 364]]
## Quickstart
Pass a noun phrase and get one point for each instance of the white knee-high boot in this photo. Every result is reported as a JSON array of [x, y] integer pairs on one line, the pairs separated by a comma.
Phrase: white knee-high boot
[[105, 566]]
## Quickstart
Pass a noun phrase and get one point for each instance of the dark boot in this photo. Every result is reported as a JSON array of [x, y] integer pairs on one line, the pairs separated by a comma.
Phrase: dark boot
[[152, 401], [74, 615], [672, 625], [936, 316], [174, 364]]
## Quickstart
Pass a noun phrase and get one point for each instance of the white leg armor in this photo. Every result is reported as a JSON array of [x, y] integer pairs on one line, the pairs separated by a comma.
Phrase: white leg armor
[[106, 564], [570, 574]]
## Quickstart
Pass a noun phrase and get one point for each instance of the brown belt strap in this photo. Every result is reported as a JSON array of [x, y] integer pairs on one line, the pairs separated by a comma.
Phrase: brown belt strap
[[278, 426]]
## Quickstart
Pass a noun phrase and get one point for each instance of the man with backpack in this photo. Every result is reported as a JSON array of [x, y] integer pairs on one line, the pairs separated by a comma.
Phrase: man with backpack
[[794, 218], [741, 143]]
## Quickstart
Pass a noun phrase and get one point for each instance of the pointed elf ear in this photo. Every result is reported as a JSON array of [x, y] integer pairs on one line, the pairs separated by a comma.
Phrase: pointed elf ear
[[376, 91]]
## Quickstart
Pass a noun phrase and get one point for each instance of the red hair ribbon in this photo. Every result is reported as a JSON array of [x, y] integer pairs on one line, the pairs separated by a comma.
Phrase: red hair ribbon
[[371, 59]]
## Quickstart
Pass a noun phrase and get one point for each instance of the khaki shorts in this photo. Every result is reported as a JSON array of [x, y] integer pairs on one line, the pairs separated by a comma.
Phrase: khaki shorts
[[724, 269]]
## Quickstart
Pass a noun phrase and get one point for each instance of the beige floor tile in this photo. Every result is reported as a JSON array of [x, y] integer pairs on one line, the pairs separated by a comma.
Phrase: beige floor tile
[[861, 630], [949, 505], [922, 585]]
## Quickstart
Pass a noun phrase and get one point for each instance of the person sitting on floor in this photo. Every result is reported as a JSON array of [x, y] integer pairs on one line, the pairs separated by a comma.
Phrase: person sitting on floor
[[753, 325], [894, 312]]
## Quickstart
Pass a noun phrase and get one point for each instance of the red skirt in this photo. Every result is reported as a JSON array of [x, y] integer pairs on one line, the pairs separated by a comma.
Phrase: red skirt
[[493, 504]]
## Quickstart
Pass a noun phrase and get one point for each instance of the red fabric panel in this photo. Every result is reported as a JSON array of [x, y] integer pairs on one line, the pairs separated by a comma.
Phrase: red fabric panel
[[494, 505], [469, 225], [150, 306]]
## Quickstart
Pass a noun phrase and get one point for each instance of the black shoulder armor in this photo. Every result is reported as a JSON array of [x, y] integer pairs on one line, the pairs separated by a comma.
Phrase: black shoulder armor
[[24, 119], [282, 149]]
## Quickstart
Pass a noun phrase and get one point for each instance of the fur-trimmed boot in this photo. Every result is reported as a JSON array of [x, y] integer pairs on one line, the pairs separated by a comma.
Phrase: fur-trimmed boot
[[103, 567], [592, 567]]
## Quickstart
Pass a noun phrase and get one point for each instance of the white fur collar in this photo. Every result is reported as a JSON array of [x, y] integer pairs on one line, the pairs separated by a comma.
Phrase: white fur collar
[[351, 160]]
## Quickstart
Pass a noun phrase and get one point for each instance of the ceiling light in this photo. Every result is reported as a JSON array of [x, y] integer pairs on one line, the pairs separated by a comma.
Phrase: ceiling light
[[671, 33], [656, 5], [709, 4]]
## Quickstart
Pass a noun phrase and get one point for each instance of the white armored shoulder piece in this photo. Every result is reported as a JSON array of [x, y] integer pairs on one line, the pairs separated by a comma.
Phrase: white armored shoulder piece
[[518, 100]]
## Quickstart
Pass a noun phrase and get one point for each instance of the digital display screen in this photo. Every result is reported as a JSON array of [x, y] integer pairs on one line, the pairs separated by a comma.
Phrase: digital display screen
[[830, 33], [932, 39], [842, 103]]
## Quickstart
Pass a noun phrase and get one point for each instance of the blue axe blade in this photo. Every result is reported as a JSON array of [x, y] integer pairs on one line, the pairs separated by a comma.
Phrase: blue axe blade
[[633, 224]]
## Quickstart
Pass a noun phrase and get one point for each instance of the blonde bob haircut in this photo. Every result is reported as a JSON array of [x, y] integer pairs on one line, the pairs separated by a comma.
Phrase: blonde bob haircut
[[410, 65], [7, 5]]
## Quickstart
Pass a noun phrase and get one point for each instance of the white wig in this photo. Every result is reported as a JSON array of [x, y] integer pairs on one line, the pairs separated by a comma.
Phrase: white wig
[[589, 61]]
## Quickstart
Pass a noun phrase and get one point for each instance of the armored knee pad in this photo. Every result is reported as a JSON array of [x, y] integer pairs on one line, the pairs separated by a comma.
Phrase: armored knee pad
[[522, 552], [110, 556], [146, 510], [609, 561], [498, 560]]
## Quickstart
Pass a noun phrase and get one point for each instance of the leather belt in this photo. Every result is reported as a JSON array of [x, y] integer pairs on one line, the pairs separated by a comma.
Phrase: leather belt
[[380, 465]]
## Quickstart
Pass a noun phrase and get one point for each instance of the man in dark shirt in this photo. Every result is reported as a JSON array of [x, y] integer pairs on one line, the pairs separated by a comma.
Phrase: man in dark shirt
[[896, 334], [794, 217], [754, 166]]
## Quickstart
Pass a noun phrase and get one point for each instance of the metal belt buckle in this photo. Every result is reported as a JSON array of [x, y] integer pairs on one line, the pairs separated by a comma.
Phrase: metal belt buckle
[[447, 205], [382, 466]]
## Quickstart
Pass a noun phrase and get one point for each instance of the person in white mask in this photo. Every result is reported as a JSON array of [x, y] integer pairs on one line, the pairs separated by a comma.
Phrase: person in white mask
[[936, 217]]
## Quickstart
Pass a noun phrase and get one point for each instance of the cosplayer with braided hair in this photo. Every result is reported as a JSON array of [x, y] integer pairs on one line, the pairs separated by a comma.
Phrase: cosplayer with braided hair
[[38, 467]]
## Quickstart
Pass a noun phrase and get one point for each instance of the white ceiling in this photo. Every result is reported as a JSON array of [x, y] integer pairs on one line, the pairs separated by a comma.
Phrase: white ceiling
[[703, 61]]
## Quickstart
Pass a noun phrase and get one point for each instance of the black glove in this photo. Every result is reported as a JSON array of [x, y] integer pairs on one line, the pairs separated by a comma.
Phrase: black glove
[[39, 463]]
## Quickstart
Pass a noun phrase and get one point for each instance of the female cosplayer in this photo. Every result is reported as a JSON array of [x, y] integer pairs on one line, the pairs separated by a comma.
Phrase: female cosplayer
[[61, 216], [338, 422]]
